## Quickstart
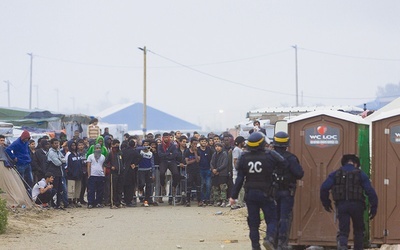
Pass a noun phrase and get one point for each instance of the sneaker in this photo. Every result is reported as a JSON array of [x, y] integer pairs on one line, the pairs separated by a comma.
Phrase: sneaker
[[120, 206], [44, 205], [113, 207], [83, 202], [131, 205], [78, 204], [99, 205], [218, 204], [223, 204], [89, 206], [268, 244]]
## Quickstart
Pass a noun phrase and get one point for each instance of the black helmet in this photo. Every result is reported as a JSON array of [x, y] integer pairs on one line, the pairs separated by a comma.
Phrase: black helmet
[[256, 141], [281, 139], [350, 157]]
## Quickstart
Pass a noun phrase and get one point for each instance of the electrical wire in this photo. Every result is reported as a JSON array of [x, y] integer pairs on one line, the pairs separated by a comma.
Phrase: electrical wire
[[253, 87], [350, 56]]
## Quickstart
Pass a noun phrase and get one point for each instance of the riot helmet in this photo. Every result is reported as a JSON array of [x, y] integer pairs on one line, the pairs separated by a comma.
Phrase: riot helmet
[[281, 139], [256, 141]]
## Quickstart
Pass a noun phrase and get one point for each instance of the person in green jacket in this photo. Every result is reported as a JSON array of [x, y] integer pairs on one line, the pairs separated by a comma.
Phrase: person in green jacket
[[99, 140]]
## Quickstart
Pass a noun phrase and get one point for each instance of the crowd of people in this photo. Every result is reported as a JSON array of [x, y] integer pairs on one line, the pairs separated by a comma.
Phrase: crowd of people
[[201, 170], [98, 170]]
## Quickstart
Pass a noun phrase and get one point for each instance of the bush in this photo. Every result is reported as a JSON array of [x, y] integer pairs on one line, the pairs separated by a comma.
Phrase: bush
[[3, 215]]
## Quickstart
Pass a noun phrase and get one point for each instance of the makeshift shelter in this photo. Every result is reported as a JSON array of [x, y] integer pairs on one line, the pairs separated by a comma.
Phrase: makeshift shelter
[[132, 114], [13, 188]]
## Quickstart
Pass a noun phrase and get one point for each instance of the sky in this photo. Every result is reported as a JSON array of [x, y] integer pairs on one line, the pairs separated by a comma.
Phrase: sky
[[207, 62]]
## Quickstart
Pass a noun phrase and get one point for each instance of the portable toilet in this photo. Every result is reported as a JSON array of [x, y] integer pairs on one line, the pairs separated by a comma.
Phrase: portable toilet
[[319, 139], [385, 227]]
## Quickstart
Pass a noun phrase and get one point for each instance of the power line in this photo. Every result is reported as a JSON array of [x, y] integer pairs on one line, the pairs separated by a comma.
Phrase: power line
[[251, 86], [216, 77], [87, 64], [139, 67], [350, 56]]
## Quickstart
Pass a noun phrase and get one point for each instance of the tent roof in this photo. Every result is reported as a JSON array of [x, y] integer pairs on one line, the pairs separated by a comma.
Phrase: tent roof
[[336, 114], [305, 109], [132, 114]]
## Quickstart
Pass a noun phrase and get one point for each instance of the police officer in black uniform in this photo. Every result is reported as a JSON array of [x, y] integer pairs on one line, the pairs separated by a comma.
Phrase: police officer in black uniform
[[348, 185], [256, 167], [285, 185]]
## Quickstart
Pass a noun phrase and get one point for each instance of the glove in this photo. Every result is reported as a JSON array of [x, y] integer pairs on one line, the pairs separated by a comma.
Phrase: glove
[[372, 213], [328, 208]]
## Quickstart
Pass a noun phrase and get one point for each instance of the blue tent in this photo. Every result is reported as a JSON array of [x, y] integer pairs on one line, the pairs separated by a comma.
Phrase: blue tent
[[132, 114]]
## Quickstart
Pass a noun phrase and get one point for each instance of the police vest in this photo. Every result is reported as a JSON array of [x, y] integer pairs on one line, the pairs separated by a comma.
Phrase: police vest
[[257, 167], [347, 186], [283, 178]]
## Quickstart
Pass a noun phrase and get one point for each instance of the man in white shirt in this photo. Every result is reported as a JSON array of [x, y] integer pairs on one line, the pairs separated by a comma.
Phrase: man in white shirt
[[43, 191], [96, 179]]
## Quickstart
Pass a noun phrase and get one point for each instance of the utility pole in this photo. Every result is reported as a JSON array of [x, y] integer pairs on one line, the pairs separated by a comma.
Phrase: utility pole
[[144, 92], [297, 78], [30, 84], [8, 91]]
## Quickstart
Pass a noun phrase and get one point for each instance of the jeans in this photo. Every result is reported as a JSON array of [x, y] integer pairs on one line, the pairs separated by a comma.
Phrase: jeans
[[64, 195], [26, 174], [255, 200], [205, 187], [95, 190], [46, 197], [59, 184]]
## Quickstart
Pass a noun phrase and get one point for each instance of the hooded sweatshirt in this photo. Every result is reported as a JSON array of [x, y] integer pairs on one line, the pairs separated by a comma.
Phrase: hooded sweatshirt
[[20, 150], [104, 150], [74, 163]]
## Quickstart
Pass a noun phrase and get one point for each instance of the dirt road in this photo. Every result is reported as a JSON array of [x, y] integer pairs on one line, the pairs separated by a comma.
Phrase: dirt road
[[162, 227]]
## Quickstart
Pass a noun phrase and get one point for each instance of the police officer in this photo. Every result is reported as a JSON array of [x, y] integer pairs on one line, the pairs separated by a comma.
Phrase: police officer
[[347, 185], [285, 185], [257, 165]]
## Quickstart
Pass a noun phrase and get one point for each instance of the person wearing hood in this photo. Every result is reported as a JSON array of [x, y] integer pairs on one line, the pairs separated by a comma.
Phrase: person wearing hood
[[96, 170], [99, 140], [115, 165], [74, 172], [19, 152]]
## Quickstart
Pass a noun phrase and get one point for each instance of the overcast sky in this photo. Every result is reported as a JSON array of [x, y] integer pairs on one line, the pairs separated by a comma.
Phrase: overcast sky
[[208, 62]]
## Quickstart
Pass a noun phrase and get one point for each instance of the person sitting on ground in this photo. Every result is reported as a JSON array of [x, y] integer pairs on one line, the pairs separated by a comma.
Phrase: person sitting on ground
[[43, 191]]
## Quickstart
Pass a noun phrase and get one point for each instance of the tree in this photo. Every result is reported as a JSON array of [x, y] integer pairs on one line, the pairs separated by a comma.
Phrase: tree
[[389, 91]]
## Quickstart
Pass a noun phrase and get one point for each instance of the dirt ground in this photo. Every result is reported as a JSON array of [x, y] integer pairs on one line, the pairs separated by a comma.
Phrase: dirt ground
[[162, 227]]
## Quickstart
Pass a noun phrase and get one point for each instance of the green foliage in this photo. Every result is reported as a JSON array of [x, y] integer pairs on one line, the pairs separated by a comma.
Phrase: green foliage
[[3, 215]]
